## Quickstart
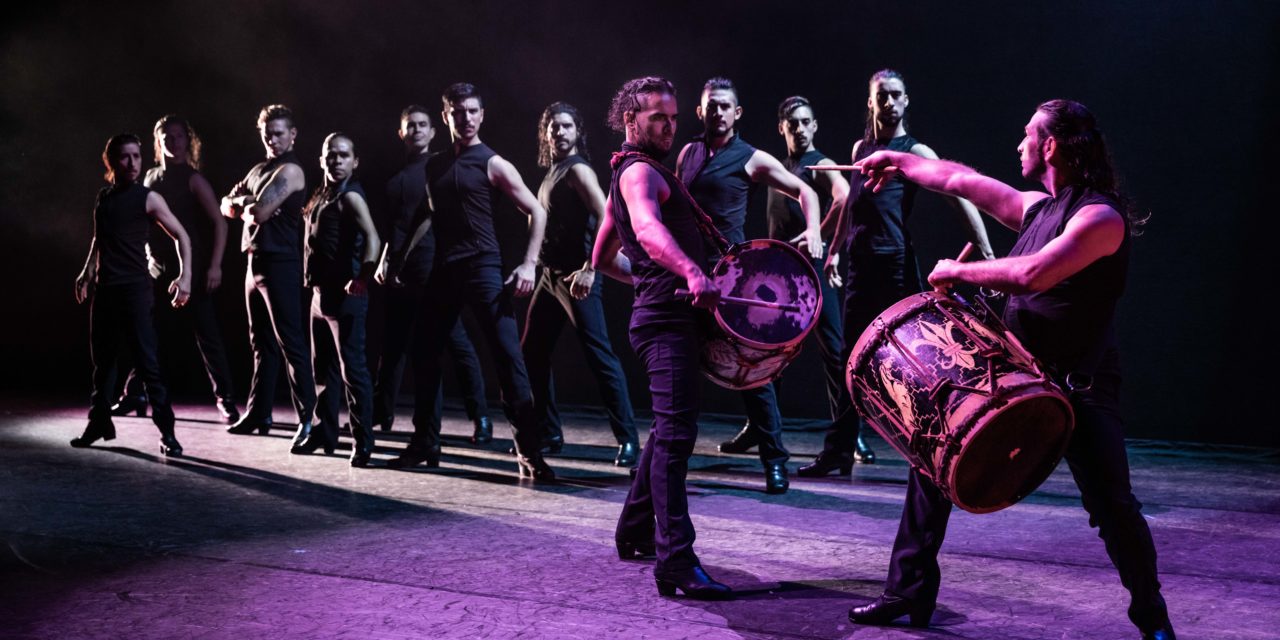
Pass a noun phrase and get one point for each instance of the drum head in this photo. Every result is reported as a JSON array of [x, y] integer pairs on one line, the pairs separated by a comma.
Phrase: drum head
[[1011, 453], [771, 271]]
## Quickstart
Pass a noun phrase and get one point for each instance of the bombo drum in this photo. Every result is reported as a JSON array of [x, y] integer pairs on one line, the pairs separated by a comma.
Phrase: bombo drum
[[958, 396], [749, 346]]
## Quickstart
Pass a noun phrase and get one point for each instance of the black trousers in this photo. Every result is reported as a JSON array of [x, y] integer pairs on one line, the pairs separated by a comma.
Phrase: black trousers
[[120, 321], [761, 406], [203, 315], [549, 308], [403, 310], [875, 283], [476, 282], [273, 295], [668, 341], [338, 340], [1100, 466]]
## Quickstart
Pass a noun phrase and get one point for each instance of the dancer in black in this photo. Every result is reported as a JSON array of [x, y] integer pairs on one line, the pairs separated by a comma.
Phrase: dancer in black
[[115, 276], [568, 288], [1065, 274], [270, 200], [882, 261], [191, 199], [468, 270], [651, 219], [341, 251], [721, 171], [405, 302]]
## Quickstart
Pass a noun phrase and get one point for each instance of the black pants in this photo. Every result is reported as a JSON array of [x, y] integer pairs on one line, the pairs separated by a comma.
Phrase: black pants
[[875, 283], [338, 339], [1098, 462], [549, 308], [761, 405], [475, 281], [657, 508], [403, 310], [203, 314], [273, 295], [120, 321]]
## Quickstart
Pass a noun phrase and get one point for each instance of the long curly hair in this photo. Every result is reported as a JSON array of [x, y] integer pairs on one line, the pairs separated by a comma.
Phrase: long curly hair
[[194, 145], [545, 156], [1084, 149]]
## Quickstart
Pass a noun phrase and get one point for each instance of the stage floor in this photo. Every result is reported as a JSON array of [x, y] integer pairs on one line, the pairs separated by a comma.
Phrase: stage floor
[[240, 539]]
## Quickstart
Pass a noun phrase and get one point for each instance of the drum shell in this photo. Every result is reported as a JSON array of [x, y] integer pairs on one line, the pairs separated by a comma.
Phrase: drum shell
[[961, 399]]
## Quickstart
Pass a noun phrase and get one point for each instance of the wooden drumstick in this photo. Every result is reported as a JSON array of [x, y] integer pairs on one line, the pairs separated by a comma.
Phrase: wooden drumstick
[[747, 302], [965, 254], [831, 167]]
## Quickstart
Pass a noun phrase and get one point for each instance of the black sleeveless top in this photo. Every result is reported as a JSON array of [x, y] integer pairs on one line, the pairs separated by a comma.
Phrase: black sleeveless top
[[174, 184], [719, 182], [281, 236], [405, 192], [461, 199], [654, 285], [120, 230], [335, 242], [1068, 326], [571, 224], [786, 218], [878, 221]]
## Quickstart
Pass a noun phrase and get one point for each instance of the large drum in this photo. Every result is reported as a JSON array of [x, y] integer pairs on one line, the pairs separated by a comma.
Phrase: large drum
[[749, 346], [957, 395]]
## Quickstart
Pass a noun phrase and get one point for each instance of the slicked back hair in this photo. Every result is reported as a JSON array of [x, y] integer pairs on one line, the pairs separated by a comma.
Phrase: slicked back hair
[[627, 99], [416, 108], [1084, 148], [791, 104], [721, 82], [276, 112], [459, 91], [545, 152], [869, 135]]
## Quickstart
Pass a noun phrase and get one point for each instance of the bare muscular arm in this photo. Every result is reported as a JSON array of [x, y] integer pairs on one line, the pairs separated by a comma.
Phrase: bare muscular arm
[[286, 181], [158, 209], [503, 175]]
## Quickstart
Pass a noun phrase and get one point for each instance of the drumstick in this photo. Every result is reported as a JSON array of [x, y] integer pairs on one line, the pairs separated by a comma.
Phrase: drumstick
[[747, 302], [965, 253], [831, 167]]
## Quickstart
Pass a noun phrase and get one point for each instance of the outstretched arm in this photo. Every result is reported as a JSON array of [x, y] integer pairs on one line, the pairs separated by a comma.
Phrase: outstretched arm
[[158, 209], [357, 207], [286, 181], [505, 177], [763, 167], [973, 220]]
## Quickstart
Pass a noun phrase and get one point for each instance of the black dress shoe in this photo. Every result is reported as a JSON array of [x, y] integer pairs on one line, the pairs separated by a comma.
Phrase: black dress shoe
[[636, 550], [535, 467], [227, 409], [169, 445], [95, 431], [1163, 633], [248, 425], [862, 453], [775, 478], [414, 455], [694, 582], [360, 456], [553, 445], [126, 405], [484, 431], [824, 464], [888, 608], [628, 453], [306, 440], [743, 442]]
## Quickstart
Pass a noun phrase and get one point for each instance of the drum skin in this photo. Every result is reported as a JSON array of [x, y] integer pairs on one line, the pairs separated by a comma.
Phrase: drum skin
[[961, 399], [747, 347]]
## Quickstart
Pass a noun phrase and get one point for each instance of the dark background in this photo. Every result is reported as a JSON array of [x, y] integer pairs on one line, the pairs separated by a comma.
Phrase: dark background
[[1185, 90]]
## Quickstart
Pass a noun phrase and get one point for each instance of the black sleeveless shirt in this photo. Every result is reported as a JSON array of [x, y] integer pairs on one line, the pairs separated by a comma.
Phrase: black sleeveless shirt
[[654, 285], [719, 182], [786, 218], [1070, 324], [174, 184], [878, 221], [571, 224], [405, 192], [120, 230], [281, 236], [461, 199], [335, 242]]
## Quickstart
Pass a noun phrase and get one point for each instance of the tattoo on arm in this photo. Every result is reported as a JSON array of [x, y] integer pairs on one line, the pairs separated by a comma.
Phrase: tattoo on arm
[[276, 190]]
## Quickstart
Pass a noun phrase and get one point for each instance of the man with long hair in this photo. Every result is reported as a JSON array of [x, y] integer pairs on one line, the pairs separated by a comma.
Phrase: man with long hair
[[1064, 277], [568, 288]]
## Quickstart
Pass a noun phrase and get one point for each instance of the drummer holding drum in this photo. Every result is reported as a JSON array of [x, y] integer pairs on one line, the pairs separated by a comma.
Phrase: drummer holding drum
[[1064, 276]]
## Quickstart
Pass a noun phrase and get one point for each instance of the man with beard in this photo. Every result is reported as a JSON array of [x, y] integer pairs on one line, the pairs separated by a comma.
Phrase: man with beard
[[1065, 274]]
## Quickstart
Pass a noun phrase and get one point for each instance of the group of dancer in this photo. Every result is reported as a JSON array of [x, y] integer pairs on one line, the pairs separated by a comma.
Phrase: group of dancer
[[1063, 276]]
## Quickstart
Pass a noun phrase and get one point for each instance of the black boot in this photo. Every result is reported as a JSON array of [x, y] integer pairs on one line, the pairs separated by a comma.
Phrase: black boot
[[775, 478], [888, 608], [484, 431], [862, 453], [227, 408], [1163, 633], [744, 441], [169, 445], [306, 440], [248, 424], [636, 550], [628, 453], [95, 431], [825, 463], [128, 404], [362, 450], [694, 582], [414, 455], [535, 467]]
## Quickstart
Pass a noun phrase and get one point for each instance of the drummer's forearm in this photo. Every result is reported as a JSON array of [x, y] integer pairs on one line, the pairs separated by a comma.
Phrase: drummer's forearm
[[663, 249]]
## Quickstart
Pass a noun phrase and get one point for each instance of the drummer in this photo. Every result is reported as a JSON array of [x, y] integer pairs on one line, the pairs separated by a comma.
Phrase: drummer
[[1064, 276], [721, 171]]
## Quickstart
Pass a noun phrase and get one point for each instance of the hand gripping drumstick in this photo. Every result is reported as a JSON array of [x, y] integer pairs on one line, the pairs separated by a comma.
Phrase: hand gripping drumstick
[[964, 256], [747, 302]]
